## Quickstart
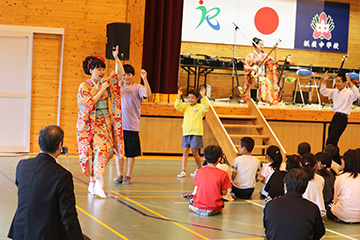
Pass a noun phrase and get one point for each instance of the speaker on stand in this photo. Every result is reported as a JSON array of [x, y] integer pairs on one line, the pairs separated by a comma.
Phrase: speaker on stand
[[118, 34]]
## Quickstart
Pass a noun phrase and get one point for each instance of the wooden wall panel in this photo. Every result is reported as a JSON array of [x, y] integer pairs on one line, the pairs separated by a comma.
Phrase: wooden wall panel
[[221, 84], [165, 135], [349, 139], [155, 141], [45, 84], [291, 134], [85, 34]]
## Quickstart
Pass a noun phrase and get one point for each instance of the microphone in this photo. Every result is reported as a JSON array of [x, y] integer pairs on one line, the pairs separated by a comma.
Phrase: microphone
[[236, 27], [107, 89]]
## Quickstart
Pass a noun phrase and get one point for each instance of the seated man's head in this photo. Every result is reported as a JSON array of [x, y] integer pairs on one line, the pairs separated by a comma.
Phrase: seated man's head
[[51, 139], [296, 180], [246, 145], [212, 154]]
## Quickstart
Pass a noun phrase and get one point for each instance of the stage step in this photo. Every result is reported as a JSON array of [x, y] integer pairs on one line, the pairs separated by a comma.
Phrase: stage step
[[241, 117], [243, 126], [252, 136], [256, 146], [258, 123]]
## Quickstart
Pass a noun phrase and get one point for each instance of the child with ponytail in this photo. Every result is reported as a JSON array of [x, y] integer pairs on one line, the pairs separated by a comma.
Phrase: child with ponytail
[[324, 169], [273, 155], [314, 190]]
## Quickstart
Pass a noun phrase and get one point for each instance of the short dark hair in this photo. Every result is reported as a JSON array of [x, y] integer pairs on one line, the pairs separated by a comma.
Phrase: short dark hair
[[296, 180], [248, 143], [212, 153], [304, 147], [50, 137], [129, 69], [352, 162], [194, 92], [92, 62], [334, 152], [342, 75], [293, 161]]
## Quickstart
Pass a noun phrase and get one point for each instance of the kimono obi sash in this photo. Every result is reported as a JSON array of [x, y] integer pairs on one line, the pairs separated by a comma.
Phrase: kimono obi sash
[[102, 107]]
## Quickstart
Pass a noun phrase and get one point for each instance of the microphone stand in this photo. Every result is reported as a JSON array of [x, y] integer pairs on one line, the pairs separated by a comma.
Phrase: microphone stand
[[280, 77], [234, 68]]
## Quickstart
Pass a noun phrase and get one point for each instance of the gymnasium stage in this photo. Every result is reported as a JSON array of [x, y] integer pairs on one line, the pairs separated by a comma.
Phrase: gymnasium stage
[[292, 123]]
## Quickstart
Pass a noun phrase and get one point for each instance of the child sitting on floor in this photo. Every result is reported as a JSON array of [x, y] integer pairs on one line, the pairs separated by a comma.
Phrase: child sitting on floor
[[337, 164], [273, 155], [223, 165], [211, 184], [323, 168], [245, 170], [314, 190]]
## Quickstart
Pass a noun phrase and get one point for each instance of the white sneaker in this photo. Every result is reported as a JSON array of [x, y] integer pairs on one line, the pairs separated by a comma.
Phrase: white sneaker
[[182, 174], [99, 190], [194, 173], [91, 188]]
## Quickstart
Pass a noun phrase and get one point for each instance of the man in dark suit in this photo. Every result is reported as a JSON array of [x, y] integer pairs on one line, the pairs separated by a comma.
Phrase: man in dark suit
[[46, 200], [292, 216]]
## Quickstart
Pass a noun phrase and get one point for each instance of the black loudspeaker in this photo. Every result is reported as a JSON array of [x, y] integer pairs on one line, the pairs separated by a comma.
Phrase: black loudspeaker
[[118, 34]]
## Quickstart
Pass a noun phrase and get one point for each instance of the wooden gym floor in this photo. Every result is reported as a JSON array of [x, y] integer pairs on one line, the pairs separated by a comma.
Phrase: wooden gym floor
[[152, 206]]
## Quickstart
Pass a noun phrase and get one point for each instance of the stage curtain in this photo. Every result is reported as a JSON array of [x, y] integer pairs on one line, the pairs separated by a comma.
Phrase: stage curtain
[[162, 41]]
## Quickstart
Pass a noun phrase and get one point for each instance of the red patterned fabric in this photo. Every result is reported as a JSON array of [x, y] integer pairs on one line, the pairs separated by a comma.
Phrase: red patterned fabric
[[103, 133], [268, 80]]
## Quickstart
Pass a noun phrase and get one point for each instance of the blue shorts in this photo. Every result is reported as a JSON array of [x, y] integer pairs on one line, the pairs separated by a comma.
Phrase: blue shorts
[[192, 141], [204, 212], [242, 193]]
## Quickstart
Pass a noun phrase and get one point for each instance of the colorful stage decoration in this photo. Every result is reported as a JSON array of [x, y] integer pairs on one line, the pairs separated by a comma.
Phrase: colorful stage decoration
[[302, 24]]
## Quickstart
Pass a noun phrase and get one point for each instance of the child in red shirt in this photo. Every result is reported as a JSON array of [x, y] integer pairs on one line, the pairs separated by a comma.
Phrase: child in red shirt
[[211, 184]]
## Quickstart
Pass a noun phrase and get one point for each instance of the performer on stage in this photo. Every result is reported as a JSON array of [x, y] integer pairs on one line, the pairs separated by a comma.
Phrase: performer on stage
[[343, 99], [98, 128], [267, 81]]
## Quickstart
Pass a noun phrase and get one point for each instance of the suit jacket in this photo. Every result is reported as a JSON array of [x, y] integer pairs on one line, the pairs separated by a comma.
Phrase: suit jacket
[[46, 201], [292, 217]]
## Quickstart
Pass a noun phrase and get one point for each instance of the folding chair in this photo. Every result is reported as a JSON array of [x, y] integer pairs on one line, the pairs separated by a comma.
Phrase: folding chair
[[305, 74]]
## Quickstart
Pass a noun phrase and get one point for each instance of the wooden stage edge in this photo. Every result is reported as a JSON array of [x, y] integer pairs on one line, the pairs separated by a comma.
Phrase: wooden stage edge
[[280, 112]]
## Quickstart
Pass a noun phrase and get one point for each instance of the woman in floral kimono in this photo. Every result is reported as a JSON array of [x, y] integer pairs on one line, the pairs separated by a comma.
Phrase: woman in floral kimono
[[267, 81], [99, 124]]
